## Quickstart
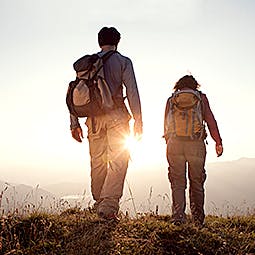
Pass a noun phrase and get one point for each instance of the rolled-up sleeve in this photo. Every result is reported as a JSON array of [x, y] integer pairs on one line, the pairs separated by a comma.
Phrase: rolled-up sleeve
[[74, 122]]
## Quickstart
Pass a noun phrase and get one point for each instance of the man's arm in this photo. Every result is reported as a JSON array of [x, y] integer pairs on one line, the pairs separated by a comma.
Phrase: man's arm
[[133, 97], [76, 129]]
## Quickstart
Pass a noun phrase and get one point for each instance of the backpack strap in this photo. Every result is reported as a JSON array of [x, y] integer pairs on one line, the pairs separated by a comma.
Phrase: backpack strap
[[202, 105], [107, 55], [104, 58]]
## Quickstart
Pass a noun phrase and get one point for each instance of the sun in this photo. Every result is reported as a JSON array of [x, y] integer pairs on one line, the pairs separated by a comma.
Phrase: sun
[[149, 149], [146, 150], [131, 143]]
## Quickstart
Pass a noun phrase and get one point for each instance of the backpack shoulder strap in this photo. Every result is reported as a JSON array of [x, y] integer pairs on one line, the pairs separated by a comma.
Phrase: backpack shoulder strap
[[100, 63], [107, 55], [202, 105]]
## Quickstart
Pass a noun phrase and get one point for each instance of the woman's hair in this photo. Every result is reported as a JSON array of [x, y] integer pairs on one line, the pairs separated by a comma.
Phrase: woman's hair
[[187, 81], [108, 36]]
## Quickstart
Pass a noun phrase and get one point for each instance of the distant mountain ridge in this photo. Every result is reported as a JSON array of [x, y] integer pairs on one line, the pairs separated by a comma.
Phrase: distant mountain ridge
[[66, 188], [232, 183], [22, 197], [229, 188]]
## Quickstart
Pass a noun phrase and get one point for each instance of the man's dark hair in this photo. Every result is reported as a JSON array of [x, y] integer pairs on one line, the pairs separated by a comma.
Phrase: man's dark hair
[[187, 81], [108, 36]]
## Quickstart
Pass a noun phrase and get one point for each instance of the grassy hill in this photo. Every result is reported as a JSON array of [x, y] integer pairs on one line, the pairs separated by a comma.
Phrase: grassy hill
[[76, 231]]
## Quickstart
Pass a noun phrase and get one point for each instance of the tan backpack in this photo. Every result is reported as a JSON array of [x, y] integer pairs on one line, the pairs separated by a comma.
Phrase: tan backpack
[[184, 115], [89, 95]]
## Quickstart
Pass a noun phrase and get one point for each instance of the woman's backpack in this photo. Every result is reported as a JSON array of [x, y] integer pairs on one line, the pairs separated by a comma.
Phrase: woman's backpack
[[184, 115]]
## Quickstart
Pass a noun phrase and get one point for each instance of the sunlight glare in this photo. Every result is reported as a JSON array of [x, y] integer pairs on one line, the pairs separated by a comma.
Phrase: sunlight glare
[[131, 143]]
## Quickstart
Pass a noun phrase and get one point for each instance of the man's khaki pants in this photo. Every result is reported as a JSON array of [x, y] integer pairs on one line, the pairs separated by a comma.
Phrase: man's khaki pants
[[190, 153], [109, 159]]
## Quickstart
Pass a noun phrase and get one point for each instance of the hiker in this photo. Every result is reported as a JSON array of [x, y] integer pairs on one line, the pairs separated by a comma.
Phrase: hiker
[[186, 113], [107, 132]]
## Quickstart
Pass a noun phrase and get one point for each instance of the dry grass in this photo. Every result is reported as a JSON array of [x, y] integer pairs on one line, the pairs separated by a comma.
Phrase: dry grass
[[62, 229], [77, 231]]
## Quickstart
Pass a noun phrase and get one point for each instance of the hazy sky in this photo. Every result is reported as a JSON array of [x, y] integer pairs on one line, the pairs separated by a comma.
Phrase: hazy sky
[[40, 40]]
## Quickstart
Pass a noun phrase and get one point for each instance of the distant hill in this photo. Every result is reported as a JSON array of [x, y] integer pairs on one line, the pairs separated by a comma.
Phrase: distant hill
[[229, 188], [74, 193], [23, 197], [230, 185], [66, 188]]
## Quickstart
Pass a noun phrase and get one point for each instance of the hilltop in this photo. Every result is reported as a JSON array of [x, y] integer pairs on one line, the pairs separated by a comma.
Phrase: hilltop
[[78, 232]]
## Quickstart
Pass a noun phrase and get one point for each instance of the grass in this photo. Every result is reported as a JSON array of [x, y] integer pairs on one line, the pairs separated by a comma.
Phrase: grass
[[77, 231], [63, 229]]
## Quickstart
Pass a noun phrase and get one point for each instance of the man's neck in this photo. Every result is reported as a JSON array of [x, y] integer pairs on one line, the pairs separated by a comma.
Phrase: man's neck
[[108, 47]]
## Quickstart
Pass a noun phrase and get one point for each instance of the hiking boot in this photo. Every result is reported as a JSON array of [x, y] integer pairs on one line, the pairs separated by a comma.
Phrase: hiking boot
[[178, 219], [108, 218], [178, 222], [199, 225], [198, 222]]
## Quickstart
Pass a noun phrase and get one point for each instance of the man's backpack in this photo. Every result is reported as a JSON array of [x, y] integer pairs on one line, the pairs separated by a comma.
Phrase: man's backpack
[[89, 95], [184, 117]]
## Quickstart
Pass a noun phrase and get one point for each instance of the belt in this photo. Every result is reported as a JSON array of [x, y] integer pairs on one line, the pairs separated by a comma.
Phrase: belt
[[196, 137]]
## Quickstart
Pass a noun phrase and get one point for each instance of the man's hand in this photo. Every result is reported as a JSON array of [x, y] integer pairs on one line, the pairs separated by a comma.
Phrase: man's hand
[[77, 134], [138, 129], [219, 149]]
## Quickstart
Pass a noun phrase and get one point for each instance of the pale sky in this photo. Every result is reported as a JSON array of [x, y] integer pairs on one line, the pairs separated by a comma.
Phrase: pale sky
[[40, 40]]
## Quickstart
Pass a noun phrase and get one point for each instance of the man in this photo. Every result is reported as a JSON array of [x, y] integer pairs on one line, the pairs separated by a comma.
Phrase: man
[[185, 145], [109, 156]]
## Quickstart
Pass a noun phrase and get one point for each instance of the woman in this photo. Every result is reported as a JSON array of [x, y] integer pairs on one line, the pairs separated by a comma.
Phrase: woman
[[186, 111]]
